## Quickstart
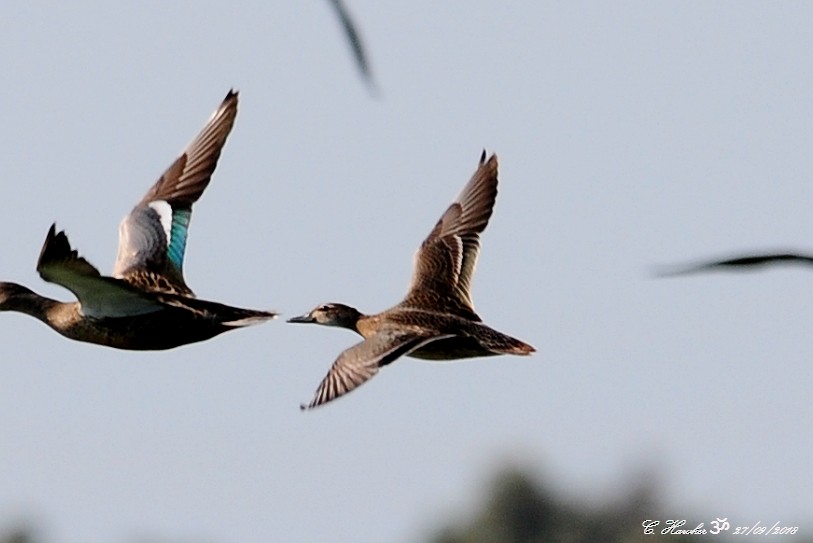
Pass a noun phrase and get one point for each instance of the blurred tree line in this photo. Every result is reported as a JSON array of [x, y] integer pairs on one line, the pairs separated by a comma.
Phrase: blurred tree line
[[516, 508]]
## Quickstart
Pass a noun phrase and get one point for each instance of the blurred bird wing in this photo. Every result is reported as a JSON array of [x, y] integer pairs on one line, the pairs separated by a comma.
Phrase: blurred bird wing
[[738, 263]]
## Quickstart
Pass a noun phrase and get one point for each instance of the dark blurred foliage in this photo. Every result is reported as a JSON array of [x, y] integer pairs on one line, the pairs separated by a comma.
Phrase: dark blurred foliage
[[518, 509], [17, 535]]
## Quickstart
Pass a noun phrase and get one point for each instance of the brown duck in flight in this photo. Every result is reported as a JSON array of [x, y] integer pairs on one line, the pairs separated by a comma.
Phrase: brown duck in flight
[[146, 304], [436, 320]]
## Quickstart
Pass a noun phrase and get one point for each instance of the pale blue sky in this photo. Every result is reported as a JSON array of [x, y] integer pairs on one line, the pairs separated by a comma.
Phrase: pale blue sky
[[630, 134]]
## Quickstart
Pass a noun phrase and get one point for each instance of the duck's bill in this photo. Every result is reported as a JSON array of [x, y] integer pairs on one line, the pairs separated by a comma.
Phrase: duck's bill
[[306, 318]]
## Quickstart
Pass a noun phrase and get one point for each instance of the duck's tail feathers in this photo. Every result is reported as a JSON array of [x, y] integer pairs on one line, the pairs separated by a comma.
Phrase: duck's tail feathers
[[515, 346], [248, 317]]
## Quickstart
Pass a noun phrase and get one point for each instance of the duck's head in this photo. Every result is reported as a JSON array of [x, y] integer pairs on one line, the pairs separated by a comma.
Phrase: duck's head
[[332, 314], [13, 296]]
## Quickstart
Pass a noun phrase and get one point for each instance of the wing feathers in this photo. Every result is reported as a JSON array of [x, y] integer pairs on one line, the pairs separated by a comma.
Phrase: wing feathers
[[99, 297], [185, 180], [152, 238], [358, 364], [446, 260]]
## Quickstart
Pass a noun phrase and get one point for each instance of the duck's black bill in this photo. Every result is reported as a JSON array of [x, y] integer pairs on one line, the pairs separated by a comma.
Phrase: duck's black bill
[[302, 318]]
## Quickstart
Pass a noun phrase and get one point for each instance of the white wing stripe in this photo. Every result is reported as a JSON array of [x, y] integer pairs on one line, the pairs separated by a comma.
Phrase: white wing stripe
[[164, 211]]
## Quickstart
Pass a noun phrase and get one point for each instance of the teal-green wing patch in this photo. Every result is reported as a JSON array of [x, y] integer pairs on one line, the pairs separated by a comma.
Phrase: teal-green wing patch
[[176, 249]]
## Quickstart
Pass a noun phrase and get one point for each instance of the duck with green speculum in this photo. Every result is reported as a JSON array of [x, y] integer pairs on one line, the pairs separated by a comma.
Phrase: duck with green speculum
[[436, 320], [146, 303]]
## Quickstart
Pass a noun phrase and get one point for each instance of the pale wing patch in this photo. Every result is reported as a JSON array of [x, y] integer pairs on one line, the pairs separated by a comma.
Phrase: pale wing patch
[[142, 241], [100, 297], [164, 211]]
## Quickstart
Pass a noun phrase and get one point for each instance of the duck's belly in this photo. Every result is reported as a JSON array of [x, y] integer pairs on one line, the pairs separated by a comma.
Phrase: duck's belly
[[452, 348], [152, 332]]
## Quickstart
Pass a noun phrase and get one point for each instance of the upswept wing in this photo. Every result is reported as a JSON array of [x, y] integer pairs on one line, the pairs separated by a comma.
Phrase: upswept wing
[[445, 262], [99, 297], [152, 238]]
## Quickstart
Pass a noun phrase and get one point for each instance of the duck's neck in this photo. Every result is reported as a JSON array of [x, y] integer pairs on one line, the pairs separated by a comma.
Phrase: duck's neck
[[55, 314], [350, 319], [361, 324]]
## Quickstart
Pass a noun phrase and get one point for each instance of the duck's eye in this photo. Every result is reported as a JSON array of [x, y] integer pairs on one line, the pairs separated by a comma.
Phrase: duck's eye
[[325, 307]]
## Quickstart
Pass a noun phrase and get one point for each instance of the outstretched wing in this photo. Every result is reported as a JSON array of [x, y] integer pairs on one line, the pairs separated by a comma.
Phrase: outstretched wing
[[359, 363], [445, 262], [739, 263], [99, 297], [152, 238], [354, 38]]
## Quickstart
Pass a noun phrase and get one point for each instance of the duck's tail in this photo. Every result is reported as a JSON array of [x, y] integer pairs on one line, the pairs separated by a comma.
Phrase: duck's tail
[[225, 315], [518, 347], [239, 317], [505, 344]]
